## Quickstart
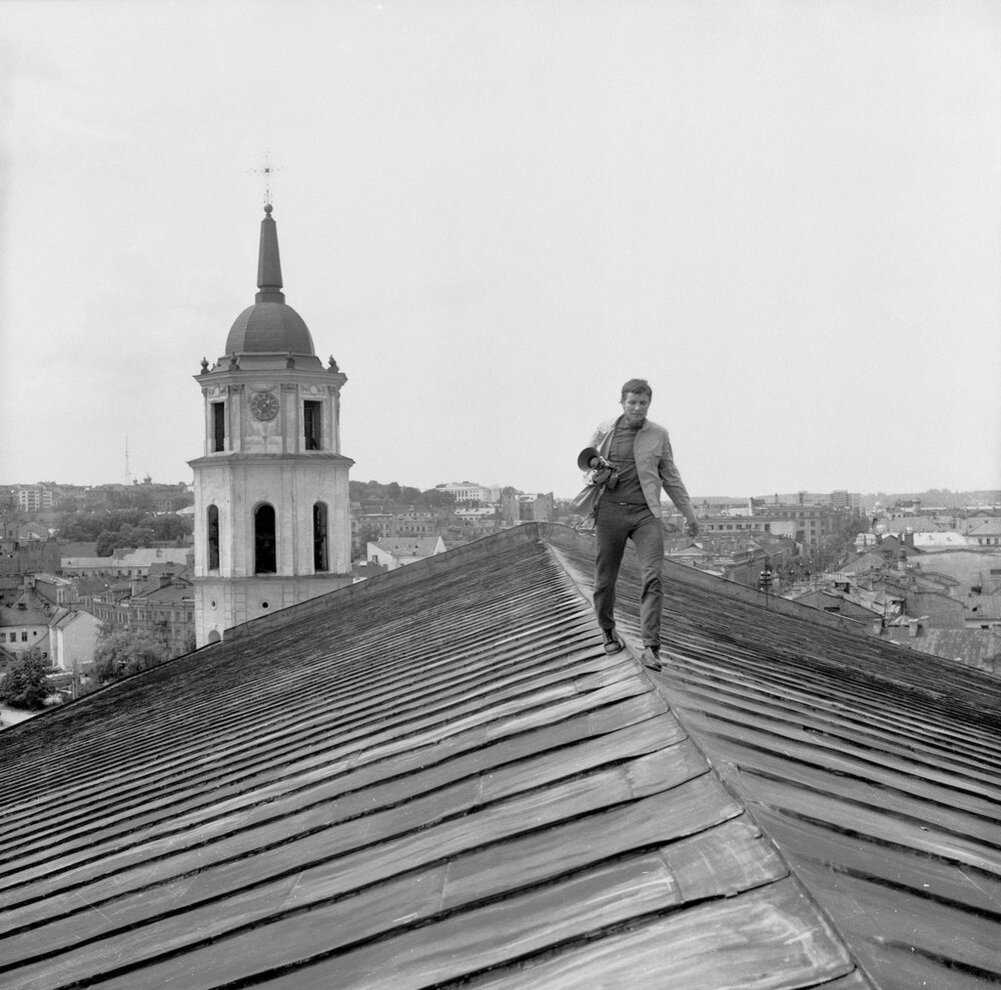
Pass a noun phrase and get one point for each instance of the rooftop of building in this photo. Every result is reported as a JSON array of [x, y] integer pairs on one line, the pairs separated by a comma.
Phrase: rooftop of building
[[175, 590], [437, 778], [413, 546], [990, 527], [978, 648], [24, 608], [133, 557], [946, 540]]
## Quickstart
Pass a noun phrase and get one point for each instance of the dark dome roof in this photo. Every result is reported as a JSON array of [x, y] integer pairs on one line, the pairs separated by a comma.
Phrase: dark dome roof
[[269, 326]]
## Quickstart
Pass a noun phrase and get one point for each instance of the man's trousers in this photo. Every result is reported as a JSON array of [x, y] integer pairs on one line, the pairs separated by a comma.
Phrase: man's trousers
[[615, 523]]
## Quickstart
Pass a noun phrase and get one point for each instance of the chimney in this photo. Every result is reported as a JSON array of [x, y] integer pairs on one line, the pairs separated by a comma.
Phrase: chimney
[[913, 627]]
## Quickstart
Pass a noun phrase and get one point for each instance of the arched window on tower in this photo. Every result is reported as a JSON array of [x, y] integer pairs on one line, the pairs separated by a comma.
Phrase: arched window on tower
[[265, 555], [218, 426], [212, 530], [321, 560], [312, 419]]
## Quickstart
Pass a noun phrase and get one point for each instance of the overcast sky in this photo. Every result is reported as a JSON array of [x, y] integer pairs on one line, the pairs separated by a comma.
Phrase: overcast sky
[[783, 213]]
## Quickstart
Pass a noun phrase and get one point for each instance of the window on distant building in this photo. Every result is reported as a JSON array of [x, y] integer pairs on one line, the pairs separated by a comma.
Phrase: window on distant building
[[213, 537], [265, 556], [218, 426], [24, 636], [311, 419], [320, 556]]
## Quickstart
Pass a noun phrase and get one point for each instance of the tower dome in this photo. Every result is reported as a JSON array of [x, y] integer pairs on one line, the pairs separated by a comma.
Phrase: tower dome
[[270, 325]]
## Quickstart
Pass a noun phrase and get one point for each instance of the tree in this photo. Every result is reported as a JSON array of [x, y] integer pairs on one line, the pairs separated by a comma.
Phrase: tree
[[107, 542], [365, 535], [25, 684], [121, 653], [135, 536], [437, 498], [170, 527]]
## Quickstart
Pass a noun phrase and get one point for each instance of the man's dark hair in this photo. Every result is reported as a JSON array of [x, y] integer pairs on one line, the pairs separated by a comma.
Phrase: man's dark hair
[[638, 386]]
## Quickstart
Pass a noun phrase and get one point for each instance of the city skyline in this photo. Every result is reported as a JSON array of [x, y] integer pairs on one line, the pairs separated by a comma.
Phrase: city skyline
[[789, 495], [491, 215]]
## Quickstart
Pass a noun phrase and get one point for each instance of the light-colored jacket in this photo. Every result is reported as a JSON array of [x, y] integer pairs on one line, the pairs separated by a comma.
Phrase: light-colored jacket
[[654, 464]]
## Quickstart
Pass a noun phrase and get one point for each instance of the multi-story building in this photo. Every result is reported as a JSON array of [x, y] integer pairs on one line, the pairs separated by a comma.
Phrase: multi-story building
[[466, 491], [521, 507], [382, 525], [65, 636], [19, 557], [32, 498], [414, 524], [125, 563], [162, 607], [55, 589], [987, 534], [73, 637], [24, 622], [843, 500], [840, 499], [808, 524]]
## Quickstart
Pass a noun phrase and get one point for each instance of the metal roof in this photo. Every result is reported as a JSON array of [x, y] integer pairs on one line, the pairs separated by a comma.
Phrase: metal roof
[[437, 778]]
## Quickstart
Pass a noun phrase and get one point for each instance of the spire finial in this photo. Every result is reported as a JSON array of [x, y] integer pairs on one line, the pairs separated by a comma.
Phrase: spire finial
[[267, 170], [269, 266]]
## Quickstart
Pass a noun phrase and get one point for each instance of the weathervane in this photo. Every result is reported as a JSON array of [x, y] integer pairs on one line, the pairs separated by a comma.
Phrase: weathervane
[[267, 170]]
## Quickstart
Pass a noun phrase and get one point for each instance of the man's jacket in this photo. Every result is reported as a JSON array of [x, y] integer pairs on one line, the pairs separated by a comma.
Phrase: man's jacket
[[654, 464]]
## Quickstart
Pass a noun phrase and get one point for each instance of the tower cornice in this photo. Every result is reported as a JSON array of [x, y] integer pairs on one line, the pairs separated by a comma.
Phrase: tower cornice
[[281, 375]]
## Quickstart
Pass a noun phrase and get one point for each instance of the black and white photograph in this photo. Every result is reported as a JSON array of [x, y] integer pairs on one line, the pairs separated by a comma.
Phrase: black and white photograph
[[500, 494]]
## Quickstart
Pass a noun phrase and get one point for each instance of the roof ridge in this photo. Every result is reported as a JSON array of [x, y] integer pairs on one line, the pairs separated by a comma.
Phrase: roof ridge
[[723, 778]]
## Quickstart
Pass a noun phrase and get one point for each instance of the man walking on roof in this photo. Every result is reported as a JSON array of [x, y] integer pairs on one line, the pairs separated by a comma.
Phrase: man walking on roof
[[635, 453]]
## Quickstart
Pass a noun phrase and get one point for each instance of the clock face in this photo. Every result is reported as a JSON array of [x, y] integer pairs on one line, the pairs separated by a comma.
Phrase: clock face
[[264, 405]]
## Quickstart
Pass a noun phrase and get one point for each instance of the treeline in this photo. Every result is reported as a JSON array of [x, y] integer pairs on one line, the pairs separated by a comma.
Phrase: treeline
[[120, 528], [373, 493]]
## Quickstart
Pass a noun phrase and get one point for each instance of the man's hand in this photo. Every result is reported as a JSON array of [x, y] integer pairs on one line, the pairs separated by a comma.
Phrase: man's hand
[[692, 527]]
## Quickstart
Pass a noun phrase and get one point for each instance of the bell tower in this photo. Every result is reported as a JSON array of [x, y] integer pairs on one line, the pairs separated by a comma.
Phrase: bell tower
[[272, 521]]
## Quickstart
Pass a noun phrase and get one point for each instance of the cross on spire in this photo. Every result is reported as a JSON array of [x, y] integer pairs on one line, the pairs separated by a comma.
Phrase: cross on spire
[[267, 170]]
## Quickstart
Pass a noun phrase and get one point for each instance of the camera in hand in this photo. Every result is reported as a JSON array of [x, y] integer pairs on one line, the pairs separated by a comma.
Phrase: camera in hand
[[608, 477]]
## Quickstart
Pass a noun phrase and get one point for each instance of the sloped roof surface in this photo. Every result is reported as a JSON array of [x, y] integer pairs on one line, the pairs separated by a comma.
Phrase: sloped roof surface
[[985, 606], [35, 611], [437, 778], [980, 648], [992, 527], [422, 546]]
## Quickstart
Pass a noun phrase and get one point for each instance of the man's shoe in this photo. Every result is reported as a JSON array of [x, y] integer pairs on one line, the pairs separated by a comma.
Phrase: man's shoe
[[651, 658], [612, 642]]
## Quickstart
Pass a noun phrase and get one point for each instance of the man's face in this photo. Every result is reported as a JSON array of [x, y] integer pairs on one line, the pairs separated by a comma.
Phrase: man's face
[[634, 407]]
